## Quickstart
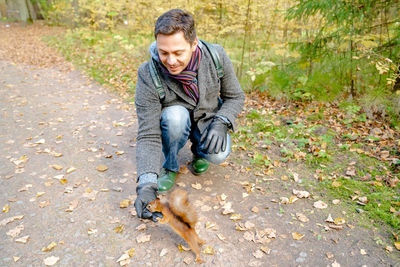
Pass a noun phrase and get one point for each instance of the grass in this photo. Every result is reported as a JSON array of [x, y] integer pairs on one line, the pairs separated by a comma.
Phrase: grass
[[267, 136], [314, 145]]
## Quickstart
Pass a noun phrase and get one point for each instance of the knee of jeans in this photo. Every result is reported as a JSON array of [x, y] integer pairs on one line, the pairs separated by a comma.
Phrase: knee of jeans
[[175, 120]]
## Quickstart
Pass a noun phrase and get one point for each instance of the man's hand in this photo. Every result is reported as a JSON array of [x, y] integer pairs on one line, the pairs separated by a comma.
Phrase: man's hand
[[146, 193], [214, 137]]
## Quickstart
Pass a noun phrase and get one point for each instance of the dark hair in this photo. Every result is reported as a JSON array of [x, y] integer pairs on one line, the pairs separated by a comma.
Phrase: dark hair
[[174, 21]]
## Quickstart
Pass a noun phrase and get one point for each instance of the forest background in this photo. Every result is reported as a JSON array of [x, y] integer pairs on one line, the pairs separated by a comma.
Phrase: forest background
[[303, 64]]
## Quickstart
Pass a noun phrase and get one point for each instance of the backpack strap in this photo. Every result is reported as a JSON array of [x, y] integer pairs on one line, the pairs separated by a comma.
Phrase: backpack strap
[[156, 79], [215, 57]]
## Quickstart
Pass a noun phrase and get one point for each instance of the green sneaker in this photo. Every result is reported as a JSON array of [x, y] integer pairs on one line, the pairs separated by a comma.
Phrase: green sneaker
[[166, 180], [200, 165]]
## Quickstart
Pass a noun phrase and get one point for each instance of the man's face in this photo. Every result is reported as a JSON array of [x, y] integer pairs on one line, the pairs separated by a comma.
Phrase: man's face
[[174, 51]]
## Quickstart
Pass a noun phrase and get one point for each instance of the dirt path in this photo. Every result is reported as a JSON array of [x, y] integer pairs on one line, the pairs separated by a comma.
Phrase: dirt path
[[57, 132]]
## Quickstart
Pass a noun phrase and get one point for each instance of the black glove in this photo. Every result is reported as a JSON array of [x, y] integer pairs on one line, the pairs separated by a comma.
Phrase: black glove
[[215, 137], [146, 193]]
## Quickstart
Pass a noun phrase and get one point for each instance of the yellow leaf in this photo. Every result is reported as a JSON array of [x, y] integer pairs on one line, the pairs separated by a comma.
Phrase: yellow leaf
[[119, 229], [124, 203], [209, 250], [397, 245], [131, 252], [182, 248], [39, 194], [49, 247], [6, 208], [236, 217], [297, 236], [102, 168], [336, 184], [339, 221], [63, 181], [57, 167]]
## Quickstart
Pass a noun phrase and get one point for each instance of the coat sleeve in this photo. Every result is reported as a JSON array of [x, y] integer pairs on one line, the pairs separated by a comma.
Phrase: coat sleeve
[[231, 93], [148, 110]]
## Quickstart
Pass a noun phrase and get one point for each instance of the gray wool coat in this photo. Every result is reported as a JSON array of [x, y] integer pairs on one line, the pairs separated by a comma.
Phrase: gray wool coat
[[149, 106]]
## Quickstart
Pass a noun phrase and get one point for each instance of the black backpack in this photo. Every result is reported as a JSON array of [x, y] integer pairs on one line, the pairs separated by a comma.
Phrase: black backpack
[[156, 77]]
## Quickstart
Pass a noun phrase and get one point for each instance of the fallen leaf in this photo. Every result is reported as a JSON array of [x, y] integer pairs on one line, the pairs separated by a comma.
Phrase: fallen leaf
[[119, 153], [211, 226], [209, 250], [297, 236], [141, 227], [39, 194], [181, 184], [124, 259], [255, 209], [142, 238], [335, 264], [50, 261], [258, 254], [124, 203], [10, 219], [44, 204], [335, 201], [249, 236], [284, 200], [49, 247], [320, 204], [301, 217], [397, 245], [197, 186], [72, 205], [236, 217], [6, 208], [188, 260], [119, 229], [266, 250], [301, 194], [23, 239], [293, 199], [340, 221], [182, 248], [329, 219], [70, 170], [16, 258], [329, 255], [57, 167], [336, 184], [221, 237], [92, 231], [249, 225], [163, 252], [15, 231], [389, 249], [227, 208], [102, 168], [363, 252]]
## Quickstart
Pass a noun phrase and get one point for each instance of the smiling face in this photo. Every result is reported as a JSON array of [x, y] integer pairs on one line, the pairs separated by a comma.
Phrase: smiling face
[[175, 51]]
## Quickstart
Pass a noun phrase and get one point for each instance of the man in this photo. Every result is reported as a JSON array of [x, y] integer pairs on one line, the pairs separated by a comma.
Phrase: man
[[195, 104]]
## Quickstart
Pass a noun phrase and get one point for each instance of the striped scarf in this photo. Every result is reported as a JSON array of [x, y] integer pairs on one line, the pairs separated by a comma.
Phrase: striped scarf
[[188, 76]]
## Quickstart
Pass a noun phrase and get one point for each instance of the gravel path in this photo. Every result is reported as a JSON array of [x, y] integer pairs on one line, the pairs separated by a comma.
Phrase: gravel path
[[68, 160]]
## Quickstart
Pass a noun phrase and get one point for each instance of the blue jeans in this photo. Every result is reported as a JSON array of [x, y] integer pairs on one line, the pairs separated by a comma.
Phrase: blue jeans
[[176, 129]]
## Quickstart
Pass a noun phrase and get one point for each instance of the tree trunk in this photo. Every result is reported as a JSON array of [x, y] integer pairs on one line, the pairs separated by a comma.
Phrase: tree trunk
[[3, 9]]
